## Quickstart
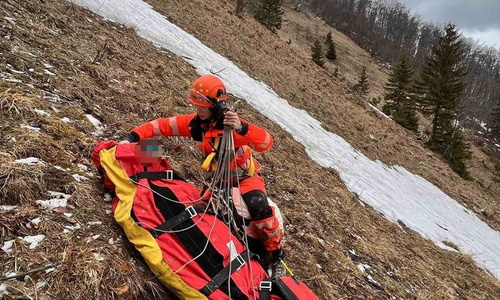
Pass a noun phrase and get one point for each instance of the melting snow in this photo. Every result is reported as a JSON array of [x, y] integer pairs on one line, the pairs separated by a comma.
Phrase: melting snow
[[66, 120], [7, 246], [391, 190], [96, 123], [30, 127], [79, 177], [28, 160], [60, 200], [93, 120], [8, 207], [107, 197], [378, 110], [42, 112], [14, 70], [33, 240], [59, 168], [34, 222], [82, 167], [3, 290], [69, 228], [11, 20]]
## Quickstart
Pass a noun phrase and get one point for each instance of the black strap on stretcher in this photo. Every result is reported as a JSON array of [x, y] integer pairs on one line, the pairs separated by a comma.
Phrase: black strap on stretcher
[[189, 213], [265, 287], [225, 273], [167, 175]]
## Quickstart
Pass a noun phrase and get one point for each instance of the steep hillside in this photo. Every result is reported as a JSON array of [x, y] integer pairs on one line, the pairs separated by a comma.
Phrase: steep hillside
[[61, 65]]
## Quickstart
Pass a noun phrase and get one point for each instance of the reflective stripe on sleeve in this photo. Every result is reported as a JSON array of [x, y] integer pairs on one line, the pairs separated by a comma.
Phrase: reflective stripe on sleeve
[[156, 127], [266, 142], [173, 125]]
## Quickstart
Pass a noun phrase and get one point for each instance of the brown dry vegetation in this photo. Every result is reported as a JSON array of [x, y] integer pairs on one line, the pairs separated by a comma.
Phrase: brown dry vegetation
[[106, 70]]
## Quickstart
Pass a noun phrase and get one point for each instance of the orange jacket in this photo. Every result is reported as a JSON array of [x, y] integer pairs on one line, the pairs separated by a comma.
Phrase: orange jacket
[[205, 133]]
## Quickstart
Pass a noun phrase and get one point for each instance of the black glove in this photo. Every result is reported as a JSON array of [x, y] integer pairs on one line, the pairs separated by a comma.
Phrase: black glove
[[278, 255], [133, 137]]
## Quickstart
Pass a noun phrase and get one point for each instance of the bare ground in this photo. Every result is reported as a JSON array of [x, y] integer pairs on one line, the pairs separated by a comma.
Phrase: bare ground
[[105, 70]]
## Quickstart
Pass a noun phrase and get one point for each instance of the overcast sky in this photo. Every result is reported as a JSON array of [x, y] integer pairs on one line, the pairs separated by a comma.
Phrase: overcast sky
[[478, 19]]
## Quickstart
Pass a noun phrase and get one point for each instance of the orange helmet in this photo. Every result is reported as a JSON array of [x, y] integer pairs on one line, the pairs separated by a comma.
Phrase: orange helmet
[[207, 90]]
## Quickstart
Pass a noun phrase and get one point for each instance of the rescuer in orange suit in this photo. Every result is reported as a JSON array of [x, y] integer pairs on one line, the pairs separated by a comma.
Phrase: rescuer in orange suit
[[208, 95]]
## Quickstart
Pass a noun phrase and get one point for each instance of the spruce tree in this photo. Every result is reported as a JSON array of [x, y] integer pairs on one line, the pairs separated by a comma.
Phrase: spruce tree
[[495, 121], [317, 53], [269, 13], [440, 91], [399, 101], [362, 86], [330, 47]]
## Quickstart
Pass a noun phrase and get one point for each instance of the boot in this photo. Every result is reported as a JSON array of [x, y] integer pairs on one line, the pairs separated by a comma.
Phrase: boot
[[277, 267], [278, 270]]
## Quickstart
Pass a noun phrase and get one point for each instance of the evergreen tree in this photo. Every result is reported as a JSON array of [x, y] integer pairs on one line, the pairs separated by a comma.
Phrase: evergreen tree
[[439, 92], [269, 13], [317, 53], [398, 98], [330, 47], [362, 87], [495, 121]]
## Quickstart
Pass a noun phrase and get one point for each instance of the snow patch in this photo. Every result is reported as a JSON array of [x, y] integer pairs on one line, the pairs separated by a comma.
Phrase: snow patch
[[41, 112], [34, 223], [391, 190], [79, 177], [33, 240], [8, 207], [3, 290], [45, 71], [29, 160], [7, 246], [59, 200], [37, 129], [379, 111], [69, 228], [93, 120], [107, 197], [82, 167], [96, 123], [11, 20], [66, 120], [59, 168]]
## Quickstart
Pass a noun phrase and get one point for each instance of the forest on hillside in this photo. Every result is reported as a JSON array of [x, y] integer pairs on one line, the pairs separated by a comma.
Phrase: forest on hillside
[[388, 30]]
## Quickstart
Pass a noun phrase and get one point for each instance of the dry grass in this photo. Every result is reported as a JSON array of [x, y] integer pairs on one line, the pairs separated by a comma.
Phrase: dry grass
[[107, 71]]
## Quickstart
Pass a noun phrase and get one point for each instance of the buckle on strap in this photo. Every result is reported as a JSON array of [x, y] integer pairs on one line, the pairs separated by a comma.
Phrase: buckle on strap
[[191, 211], [241, 261], [265, 285], [170, 175]]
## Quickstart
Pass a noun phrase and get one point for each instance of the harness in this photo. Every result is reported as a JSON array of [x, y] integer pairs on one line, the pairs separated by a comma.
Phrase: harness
[[209, 165]]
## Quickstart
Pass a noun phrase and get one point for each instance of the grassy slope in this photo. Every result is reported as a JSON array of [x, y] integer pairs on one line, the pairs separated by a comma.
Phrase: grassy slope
[[106, 70]]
